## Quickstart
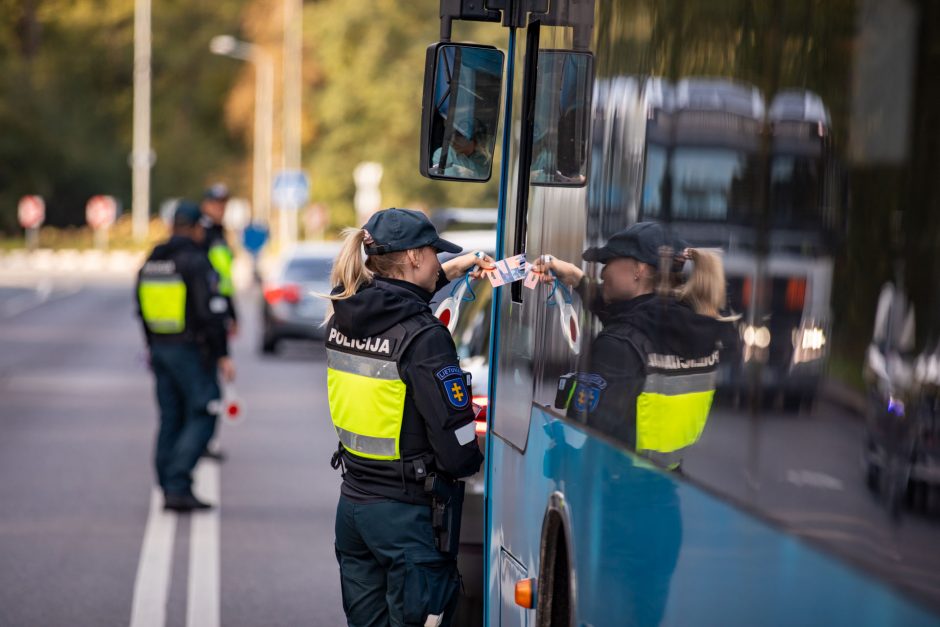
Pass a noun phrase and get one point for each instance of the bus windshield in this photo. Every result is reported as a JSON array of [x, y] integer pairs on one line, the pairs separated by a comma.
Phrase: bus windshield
[[795, 192], [707, 184]]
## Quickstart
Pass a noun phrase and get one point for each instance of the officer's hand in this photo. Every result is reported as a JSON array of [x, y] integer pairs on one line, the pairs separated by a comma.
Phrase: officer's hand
[[232, 329], [568, 273], [227, 369], [458, 266]]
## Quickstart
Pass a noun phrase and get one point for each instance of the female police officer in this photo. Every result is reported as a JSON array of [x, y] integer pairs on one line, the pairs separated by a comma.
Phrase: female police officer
[[401, 408]]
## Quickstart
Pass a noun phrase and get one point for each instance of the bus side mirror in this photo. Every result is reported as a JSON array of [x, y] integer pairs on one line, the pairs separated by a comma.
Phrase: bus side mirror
[[561, 128], [460, 111]]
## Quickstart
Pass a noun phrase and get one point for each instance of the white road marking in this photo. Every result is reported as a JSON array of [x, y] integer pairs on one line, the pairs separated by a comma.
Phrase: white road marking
[[814, 479], [203, 605], [156, 561], [43, 293]]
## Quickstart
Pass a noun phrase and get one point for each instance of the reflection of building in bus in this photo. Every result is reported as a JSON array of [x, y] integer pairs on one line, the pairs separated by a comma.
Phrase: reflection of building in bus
[[701, 167]]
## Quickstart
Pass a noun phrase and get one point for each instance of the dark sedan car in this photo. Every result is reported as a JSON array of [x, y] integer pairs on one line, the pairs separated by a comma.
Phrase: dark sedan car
[[291, 308]]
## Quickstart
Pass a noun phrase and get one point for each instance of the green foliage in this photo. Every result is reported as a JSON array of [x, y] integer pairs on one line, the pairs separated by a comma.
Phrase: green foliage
[[365, 102], [66, 101]]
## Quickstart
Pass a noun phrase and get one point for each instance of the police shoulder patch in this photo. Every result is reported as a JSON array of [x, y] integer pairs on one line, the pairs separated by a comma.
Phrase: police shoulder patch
[[588, 392], [454, 387]]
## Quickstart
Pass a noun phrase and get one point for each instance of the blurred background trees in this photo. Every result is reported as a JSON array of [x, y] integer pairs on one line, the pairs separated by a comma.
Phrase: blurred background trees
[[66, 98]]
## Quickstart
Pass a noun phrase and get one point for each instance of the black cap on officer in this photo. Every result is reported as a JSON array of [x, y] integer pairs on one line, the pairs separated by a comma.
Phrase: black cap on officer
[[187, 214], [393, 230], [641, 241]]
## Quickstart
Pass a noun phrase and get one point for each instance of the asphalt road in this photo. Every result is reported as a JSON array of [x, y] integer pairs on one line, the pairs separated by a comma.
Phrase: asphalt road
[[77, 422], [82, 544]]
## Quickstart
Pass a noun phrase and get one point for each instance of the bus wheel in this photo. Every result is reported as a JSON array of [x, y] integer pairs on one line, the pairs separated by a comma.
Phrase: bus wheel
[[554, 589]]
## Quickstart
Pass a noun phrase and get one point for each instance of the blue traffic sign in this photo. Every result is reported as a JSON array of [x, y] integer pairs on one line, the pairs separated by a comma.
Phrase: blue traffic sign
[[254, 237], [291, 189]]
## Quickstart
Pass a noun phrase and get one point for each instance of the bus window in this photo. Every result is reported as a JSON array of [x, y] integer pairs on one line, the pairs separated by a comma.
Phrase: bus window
[[461, 111]]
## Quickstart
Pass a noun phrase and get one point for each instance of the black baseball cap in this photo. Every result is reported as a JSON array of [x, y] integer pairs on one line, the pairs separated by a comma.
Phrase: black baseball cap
[[187, 213], [641, 241], [393, 230]]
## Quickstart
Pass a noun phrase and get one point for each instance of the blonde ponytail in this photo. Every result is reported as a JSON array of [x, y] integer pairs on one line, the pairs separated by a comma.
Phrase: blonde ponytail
[[705, 289], [351, 272], [349, 269]]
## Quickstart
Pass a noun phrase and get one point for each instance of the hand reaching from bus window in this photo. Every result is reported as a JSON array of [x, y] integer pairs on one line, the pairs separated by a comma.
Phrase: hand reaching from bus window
[[568, 273], [458, 266]]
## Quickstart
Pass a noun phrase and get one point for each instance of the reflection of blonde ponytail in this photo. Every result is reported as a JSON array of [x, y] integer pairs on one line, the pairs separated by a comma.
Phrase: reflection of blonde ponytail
[[705, 289]]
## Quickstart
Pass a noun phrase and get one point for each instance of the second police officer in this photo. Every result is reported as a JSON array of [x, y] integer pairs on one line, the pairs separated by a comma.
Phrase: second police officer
[[220, 253], [401, 408], [183, 317]]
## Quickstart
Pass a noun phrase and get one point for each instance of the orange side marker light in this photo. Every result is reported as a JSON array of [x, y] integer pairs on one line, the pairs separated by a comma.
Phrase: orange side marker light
[[525, 593]]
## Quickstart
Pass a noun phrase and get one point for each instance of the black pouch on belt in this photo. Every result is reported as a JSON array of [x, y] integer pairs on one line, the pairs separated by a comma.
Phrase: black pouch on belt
[[446, 511]]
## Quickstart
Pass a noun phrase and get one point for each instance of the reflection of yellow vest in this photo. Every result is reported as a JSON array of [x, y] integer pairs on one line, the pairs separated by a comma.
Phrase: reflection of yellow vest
[[366, 393], [220, 256], [163, 303], [672, 409]]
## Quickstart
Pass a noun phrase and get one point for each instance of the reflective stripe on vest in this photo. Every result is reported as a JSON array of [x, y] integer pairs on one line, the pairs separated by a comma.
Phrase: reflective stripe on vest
[[163, 303], [672, 410], [220, 256], [367, 402]]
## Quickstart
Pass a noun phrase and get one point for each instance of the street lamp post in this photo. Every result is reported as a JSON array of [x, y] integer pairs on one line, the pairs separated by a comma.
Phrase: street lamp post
[[228, 46], [141, 159]]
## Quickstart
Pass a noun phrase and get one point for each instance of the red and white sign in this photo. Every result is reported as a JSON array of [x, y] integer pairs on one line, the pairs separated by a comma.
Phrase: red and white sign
[[31, 212], [100, 212]]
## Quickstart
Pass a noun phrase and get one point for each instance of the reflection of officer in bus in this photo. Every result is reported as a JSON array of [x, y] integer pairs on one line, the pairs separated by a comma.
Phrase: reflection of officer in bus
[[467, 156], [401, 408], [183, 316], [651, 374]]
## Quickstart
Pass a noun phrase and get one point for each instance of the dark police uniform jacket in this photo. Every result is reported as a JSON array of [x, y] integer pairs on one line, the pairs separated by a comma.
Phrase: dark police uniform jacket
[[181, 259], [390, 319]]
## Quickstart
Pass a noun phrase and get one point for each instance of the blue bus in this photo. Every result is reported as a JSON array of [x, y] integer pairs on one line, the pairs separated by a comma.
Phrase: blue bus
[[709, 118]]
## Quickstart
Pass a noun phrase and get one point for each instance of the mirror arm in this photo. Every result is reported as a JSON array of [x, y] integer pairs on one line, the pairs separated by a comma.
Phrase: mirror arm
[[470, 10], [576, 14]]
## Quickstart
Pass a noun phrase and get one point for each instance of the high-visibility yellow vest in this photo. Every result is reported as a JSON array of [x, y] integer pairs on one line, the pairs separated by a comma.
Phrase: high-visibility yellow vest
[[366, 392], [163, 303], [220, 256], [671, 412]]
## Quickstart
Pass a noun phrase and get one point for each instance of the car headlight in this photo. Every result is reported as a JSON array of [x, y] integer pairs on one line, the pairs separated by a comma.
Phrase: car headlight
[[808, 343], [755, 336]]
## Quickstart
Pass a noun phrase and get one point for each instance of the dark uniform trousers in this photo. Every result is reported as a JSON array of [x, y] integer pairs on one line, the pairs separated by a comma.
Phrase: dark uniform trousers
[[391, 572], [185, 387]]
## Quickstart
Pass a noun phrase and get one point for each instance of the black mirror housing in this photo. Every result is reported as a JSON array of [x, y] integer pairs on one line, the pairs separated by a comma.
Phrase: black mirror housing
[[460, 111]]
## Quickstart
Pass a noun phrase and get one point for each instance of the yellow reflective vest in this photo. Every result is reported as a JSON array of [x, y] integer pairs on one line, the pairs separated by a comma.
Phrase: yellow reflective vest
[[221, 257], [162, 295], [366, 391]]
